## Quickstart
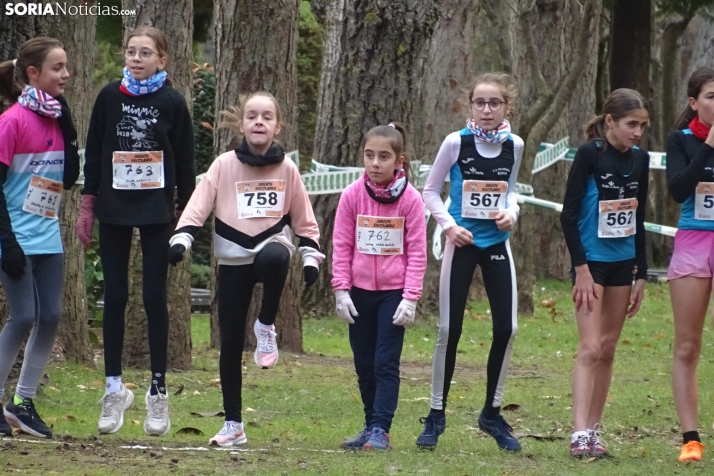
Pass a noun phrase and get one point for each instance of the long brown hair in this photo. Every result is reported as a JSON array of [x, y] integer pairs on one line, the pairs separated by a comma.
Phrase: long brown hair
[[505, 83], [397, 136], [162, 44], [618, 104], [232, 118], [13, 77], [695, 84]]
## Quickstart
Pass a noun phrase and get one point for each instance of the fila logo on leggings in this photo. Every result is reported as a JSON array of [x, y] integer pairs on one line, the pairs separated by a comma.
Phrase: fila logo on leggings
[[497, 257]]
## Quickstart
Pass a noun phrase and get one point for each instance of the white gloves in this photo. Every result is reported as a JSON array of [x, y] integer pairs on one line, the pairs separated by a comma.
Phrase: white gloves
[[344, 306], [405, 313]]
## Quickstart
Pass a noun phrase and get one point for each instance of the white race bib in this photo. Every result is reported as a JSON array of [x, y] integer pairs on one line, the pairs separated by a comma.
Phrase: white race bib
[[43, 197], [617, 218], [482, 199], [138, 170], [260, 198], [380, 235], [704, 201]]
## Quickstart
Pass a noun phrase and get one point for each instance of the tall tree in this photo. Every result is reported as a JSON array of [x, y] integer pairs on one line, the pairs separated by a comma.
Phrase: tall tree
[[631, 39], [549, 77], [374, 62], [175, 19], [256, 50]]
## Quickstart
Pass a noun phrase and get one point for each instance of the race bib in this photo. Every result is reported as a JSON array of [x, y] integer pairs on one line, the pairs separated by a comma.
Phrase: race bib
[[43, 197], [260, 199], [380, 235], [138, 170], [704, 201], [482, 199], [617, 218]]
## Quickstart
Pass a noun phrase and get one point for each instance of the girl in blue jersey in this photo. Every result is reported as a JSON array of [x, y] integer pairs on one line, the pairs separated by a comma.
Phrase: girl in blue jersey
[[603, 222], [38, 159], [482, 161], [690, 175]]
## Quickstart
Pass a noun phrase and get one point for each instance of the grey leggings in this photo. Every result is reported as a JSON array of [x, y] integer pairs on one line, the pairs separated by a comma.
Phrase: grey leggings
[[35, 306]]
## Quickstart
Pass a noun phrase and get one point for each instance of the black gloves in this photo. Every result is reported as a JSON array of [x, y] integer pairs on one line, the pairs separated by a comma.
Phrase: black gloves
[[310, 275], [176, 254]]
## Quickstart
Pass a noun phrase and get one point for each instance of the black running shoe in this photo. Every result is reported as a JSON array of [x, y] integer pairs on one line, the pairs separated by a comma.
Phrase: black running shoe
[[25, 417], [5, 429], [433, 427]]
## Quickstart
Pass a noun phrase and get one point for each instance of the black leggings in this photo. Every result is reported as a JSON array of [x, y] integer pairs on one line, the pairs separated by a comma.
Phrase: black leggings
[[235, 291], [114, 248], [499, 278]]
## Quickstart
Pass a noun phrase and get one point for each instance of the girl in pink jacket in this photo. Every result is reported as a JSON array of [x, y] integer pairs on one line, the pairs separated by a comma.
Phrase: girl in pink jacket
[[378, 265]]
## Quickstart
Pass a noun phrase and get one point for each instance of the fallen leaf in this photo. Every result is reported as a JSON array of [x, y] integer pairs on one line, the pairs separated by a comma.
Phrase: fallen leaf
[[648, 345], [188, 430], [609, 399], [544, 437], [549, 303], [355, 397], [248, 409], [590, 460], [97, 383], [130, 386], [214, 382], [54, 389], [625, 342], [512, 407], [660, 337], [81, 387], [208, 414], [70, 417], [135, 422], [180, 389], [297, 362], [196, 392]]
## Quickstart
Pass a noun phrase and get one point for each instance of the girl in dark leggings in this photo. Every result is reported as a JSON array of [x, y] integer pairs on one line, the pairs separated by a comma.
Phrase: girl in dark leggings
[[258, 196], [482, 161], [38, 158], [140, 150]]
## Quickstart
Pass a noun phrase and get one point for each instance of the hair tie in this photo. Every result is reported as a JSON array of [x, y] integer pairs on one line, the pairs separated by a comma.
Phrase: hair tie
[[391, 124], [14, 63]]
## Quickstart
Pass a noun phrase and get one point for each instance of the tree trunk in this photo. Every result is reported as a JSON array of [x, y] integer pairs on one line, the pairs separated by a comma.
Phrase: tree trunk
[[630, 48], [77, 33], [451, 66], [558, 85], [256, 50], [374, 64], [175, 19]]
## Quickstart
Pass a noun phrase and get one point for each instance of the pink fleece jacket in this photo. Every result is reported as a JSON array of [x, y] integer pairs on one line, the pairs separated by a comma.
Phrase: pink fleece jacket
[[376, 272]]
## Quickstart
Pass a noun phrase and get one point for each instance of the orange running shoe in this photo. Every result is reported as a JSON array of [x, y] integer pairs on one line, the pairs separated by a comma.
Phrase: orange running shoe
[[692, 451]]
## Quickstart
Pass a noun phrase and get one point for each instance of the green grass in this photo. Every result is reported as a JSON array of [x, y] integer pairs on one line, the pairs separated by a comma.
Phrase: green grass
[[297, 413]]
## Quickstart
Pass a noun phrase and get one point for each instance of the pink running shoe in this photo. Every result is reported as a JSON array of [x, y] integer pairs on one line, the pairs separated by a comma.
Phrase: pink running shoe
[[266, 352], [231, 434]]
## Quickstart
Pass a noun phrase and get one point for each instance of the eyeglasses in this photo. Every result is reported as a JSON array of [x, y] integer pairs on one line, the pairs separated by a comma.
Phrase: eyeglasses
[[143, 54], [493, 104]]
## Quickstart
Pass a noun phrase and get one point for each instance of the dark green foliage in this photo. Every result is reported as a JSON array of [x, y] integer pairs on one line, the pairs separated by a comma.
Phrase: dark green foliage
[[204, 93], [309, 65], [684, 8], [201, 275]]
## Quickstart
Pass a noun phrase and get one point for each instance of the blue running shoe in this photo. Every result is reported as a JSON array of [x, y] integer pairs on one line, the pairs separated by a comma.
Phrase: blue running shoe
[[378, 440], [5, 428], [501, 432], [433, 427], [358, 441]]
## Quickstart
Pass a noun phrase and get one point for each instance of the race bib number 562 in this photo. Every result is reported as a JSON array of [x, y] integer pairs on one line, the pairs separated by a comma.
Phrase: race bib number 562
[[617, 218], [260, 199]]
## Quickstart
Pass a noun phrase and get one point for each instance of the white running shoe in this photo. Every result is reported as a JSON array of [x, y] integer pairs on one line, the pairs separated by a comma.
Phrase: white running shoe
[[157, 421], [231, 434], [113, 407], [266, 352]]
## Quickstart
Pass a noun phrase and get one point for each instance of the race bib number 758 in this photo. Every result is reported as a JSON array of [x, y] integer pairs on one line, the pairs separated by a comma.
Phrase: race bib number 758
[[260, 199]]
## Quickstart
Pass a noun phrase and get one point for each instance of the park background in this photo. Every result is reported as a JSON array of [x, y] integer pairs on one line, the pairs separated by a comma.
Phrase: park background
[[338, 68]]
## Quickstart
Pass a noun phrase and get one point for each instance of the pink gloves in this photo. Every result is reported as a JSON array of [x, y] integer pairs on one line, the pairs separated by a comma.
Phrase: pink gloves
[[85, 222]]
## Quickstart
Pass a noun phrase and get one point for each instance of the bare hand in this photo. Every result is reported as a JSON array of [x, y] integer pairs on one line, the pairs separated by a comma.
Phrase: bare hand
[[584, 292], [638, 294], [710, 137], [504, 221], [460, 236]]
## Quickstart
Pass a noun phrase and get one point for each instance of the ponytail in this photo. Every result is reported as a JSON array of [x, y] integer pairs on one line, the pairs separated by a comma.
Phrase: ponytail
[[397, 135], [13, 73], [596, 128], [695, 84]]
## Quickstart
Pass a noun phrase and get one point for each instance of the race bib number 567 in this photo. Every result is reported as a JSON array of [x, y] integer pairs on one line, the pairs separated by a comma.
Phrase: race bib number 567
[[483, 200]]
